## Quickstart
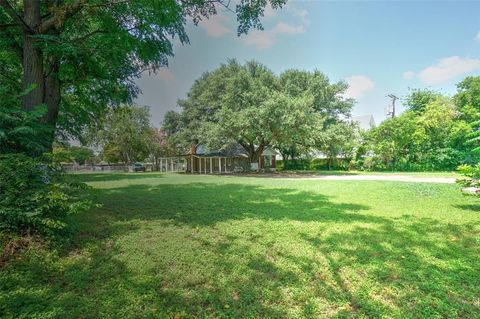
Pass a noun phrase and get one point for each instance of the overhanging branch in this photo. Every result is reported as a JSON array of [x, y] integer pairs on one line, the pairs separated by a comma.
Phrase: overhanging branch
[[59, 19], [15, 16]]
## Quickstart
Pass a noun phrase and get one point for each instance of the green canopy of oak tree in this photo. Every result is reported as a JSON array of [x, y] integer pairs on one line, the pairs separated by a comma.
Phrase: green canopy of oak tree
[[250, 105]]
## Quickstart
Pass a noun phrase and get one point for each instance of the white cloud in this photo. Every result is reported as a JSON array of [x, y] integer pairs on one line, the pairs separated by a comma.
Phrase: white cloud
[[284, 28], [448, 68], [259, 39], [408, 75], [300, 13], [215, 26], [477, 37], [267, 38], [358, 86]]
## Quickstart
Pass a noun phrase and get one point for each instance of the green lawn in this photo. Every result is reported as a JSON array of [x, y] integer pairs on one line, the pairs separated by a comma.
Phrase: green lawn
[[179, 246], [414, 174]]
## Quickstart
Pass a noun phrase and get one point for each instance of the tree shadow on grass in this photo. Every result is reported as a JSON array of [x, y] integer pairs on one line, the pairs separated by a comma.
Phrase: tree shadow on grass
[[201, 204], [235, 250], [420, 268], [473, 207]]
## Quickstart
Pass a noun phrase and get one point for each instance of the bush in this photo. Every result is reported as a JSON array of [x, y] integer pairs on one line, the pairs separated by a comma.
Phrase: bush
[[35, 197], [472, 173], [316, 164]]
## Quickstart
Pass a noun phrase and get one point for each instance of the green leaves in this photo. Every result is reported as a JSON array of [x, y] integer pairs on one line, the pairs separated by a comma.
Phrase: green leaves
[[34, 197], [432, 135], [102, 47], [250, 105], [21, 131], [126, 135]]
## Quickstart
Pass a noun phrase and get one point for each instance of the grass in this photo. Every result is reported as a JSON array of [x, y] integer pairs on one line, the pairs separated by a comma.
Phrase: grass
[[180, 246], [451, 174]]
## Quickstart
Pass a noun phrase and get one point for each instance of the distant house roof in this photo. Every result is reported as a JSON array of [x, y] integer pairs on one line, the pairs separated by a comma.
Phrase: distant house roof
[[232, 150], [365, 122]]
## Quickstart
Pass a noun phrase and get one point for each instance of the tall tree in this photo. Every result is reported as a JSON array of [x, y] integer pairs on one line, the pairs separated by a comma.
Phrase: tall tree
[[418, 99], [431, 137], [339, 139], [467, 98], [126, 134], [328, 102], [77, 57], [245, 104]]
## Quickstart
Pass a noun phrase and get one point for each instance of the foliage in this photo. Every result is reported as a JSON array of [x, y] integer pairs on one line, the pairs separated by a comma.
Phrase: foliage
[[87, 54], [473, 137], [467, 99], [77, 154], [339, 139], [418, 99], [315, 164], [183, 246], [34, 197], [429, 136], [327, 96], [126, 135], [160, 146], [472, 172], [249, 105], [328, 103], [20, 131]]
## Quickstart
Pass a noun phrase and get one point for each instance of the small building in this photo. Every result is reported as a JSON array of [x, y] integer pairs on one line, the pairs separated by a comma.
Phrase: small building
[[365, 122], [232, 159]]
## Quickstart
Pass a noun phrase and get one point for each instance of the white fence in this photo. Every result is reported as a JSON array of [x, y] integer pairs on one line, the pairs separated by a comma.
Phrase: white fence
[[95, 168], [164, 164]]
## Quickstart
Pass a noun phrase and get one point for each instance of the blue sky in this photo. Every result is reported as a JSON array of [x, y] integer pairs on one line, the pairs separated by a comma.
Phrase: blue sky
[[377, 47]]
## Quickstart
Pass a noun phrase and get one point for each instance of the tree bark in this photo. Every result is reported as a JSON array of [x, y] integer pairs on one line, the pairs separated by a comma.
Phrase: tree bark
[[33, 77], [52, 93], [255, 155]]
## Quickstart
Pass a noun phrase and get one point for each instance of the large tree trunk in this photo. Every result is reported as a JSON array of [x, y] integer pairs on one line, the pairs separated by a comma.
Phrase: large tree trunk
[[52, 100], [33, 78], [253, 154], [52, 93], [41, 82]]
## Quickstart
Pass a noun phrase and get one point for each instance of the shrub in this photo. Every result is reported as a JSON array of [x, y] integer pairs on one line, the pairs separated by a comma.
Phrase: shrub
[[472, 173], [316, 164], [35, 197]]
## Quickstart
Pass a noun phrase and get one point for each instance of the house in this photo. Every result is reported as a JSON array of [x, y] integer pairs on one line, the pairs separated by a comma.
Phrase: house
[[233, 158], [365, 122]]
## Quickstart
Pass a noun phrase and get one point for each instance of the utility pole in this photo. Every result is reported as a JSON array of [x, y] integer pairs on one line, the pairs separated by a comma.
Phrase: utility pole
[[391, 112]]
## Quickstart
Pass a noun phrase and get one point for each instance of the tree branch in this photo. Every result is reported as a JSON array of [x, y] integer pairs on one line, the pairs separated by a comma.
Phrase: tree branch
[[8, 25], [4, 73], [59, 19], [88, 35], [61, 16], [15, 16]]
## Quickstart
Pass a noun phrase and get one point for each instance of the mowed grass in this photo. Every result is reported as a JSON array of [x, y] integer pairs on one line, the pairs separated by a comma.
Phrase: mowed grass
[[180, 246], [451, 174]]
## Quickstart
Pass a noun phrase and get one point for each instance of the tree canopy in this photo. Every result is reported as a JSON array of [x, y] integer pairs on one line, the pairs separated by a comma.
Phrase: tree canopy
[[250, 105], [79, 57], [436, 132], [126, 135]]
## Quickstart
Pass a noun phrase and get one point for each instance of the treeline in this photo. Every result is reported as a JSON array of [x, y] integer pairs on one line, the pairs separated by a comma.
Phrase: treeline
[[304, 116], [436, 132]]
